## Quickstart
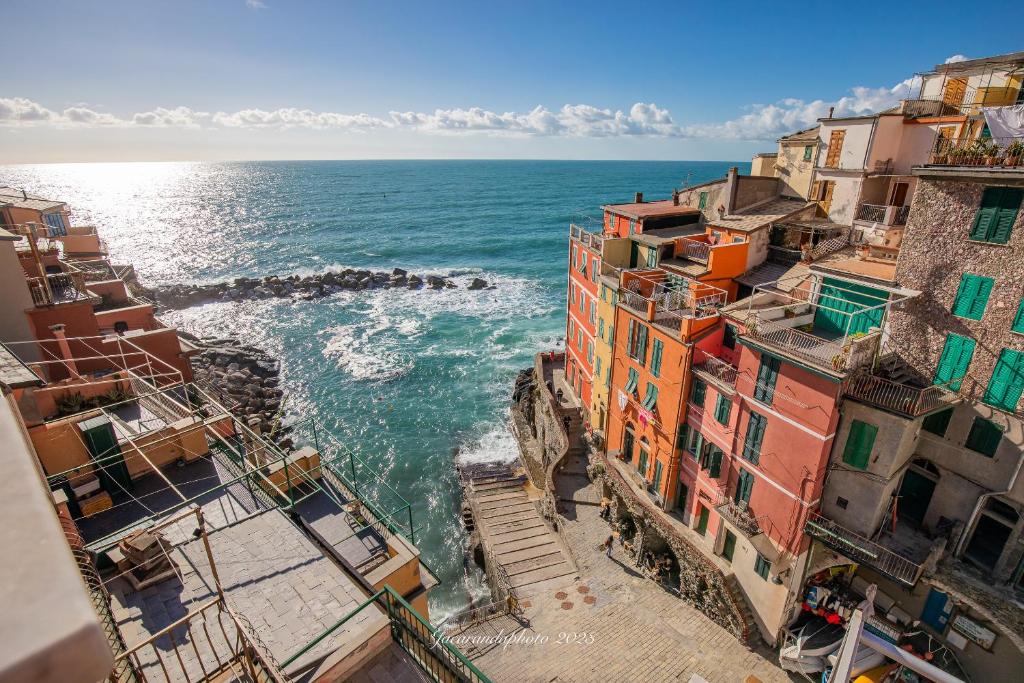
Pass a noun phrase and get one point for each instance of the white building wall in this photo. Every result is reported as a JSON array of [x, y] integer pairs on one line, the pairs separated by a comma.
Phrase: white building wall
[[855, 143]]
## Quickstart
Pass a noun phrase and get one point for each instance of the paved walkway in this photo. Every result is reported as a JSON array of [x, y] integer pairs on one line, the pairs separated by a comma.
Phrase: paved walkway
[[609, 623]]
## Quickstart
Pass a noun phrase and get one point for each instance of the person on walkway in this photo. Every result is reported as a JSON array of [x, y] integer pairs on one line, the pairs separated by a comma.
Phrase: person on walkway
[[608, 546]]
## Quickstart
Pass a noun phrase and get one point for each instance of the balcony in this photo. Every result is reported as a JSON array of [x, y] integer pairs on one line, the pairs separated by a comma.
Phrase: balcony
[[900, 398], [669, 301], [883, 214], [591, 240], [994, 153], [695, 250], [715, 369], [58, 288], [862, 550]]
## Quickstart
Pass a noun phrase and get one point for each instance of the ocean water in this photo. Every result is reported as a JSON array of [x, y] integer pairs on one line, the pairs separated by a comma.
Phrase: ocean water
[[410, 380]]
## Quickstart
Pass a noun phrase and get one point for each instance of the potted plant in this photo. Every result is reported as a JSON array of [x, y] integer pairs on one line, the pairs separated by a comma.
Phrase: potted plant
[[990, 152], [1014, 153]]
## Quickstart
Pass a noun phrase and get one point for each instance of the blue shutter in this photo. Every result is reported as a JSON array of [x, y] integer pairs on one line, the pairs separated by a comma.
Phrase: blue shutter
[[954, 361], [1007, 382], [656, 350], [972, 296]]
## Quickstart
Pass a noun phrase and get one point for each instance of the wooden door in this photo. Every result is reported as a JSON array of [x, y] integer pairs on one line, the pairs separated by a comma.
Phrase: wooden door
[[954, 93], [729, 546], [702, 520]]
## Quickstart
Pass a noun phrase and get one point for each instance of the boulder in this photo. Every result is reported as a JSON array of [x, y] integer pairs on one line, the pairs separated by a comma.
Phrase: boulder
[[478, 283]]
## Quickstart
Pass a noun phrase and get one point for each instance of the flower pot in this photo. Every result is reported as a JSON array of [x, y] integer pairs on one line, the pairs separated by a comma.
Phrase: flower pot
[[1012, 161], [940, 159]]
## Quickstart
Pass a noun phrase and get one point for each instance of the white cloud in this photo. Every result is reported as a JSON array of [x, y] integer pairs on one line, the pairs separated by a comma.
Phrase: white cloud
[[255, 4], [759, 122], [956, 58]]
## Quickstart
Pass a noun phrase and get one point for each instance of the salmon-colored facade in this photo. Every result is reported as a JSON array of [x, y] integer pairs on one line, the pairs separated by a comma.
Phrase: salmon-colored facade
[[581, 319]]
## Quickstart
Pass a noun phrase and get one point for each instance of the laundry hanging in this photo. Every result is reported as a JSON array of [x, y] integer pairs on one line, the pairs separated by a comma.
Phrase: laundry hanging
[[622, 400], [1005, 122]]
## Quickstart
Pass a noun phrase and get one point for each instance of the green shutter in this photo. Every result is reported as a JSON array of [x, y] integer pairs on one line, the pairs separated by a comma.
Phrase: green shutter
[[600, 328], [697, 395], [996, 214], [631, 381], [629, 338], [767, 374], [936, 423], [657, 475], [597, 368], [744, 486], [684, 430], [755, 435], [984, 437], [702, 202], [859, 444], [651, 397], [657, 348], [715, 462], [972, 296], [722, 409], [954, 361], [762, 566], [652, 258], [641, 344], [1007, 381], [641, 464], [1018, 320]]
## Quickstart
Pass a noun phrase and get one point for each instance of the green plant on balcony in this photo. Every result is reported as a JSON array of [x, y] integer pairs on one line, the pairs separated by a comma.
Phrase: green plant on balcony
[[1014, 153], [991, 153], [71, 404]]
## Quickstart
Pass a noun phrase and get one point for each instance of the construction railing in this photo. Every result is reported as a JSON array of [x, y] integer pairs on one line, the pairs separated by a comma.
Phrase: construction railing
[[978, 152], [862, 550], [900, 398], [425, 644]]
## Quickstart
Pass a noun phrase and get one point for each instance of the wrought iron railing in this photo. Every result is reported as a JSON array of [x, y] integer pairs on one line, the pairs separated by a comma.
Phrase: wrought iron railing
[[884, 214], [978, 152], [431, 649], [695, 250], [717, 368], [57, 288], [862, 550], [900, 398]]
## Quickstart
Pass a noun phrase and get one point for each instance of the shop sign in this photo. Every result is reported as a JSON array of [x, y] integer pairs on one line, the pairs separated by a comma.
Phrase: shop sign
[[974, 631]]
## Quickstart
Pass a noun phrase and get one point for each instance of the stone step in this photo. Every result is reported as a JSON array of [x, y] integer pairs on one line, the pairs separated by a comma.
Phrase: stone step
[[521, 534], [499, 524], [498, 485], [504, 495], [499, 504], [530, 564], [498, 513], [543, 574], [538, 551], [539, 538], [526, 523]]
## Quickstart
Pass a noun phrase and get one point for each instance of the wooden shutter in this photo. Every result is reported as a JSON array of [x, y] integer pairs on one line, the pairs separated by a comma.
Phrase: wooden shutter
[[984, 437], [767, 374], [835, 148], [1009, 205], [1007, 382], [656, 350], [641, 344], [715, 464], [698, 393], [755, 435], [744, 487], [954, 361], [722, 409], [1018, 320], [972, 296], [630, 339], [859, 444]]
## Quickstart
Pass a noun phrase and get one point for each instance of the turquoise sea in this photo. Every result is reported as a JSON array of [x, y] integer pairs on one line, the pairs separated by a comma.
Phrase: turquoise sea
[[408, 379]]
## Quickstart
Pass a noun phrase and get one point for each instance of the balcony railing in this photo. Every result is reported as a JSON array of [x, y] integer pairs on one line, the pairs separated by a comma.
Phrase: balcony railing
[[1001, 152], [717, 369], [804, 345], [591, 240], [57, 288], [898, 398], [883, 213], [829, 246], [862, 550], [696, 251]]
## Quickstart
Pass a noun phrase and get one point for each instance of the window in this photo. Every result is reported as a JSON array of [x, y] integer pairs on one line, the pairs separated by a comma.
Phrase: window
[[603, 293], [611, 334], [762, 567], [593, 311], [657, 348], [611, 223], [594, 263], [712, 460], [684, 431], [1018, 320], [694, 442], [583, 262], [597, 368], [641, 464], [984, 437], [579, 339], [808, 152], [702, 201], [652, 258], [572, 294], [767, 374], [55, 221], [697, 393], [744, 486], [651, 397], [632, 226], [996, 214], [631, 381], [590, 353], [1007, 381], [729, 546], [755, 435], [637, 342], [729, 340], [722, 409], [658, 471], [570, 328], [954, 361], [859, 443], [936, 423], [575, 256], [835, 148], [972, 296], [583, 300], [600, 328]]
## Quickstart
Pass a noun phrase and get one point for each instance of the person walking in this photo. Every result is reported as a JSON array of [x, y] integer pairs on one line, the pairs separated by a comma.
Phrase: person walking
[[608, 546]]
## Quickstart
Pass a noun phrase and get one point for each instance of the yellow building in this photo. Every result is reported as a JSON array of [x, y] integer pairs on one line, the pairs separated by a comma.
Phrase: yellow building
[[615, 257]]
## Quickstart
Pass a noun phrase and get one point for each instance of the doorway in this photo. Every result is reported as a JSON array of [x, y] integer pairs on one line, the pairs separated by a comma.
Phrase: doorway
[[987, 542], [702, 520], [915, 494], [898, 196], [628, 440], [729, 546]]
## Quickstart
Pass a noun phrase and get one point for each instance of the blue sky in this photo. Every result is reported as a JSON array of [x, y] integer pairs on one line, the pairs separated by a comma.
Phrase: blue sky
[[231, 79]]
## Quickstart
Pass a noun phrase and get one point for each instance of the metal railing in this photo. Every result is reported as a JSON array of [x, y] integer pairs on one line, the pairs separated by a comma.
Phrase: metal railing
[[874, 213], [426, 645], [862, 550], [830, 353], [885, 214], [831, 245], [718, 369], [695, 250], [57, 288], [96, 270], [900, 398], [591, 240], [978, 152]]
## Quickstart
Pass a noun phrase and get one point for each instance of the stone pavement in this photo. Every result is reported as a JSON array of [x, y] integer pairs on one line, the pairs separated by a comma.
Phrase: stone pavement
[[610, 623]]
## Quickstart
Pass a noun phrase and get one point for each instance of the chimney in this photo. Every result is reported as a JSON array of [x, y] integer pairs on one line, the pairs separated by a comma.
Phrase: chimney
[[831, 110], [675, 197], [65, 350], [638, 198]]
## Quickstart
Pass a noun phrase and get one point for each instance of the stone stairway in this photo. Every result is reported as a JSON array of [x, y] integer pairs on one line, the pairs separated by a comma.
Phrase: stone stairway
[[513, 531], [750, 628]]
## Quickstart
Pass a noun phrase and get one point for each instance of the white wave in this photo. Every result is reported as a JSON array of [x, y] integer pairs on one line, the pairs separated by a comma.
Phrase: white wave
[[362, 357], [496, 445], [310, 271]]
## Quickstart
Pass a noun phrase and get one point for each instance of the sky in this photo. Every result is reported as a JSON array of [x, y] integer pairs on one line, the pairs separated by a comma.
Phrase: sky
[[154, 80]]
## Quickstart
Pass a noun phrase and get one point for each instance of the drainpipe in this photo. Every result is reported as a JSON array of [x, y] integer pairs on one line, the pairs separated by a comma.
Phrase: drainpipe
[[65, 350], [981, 501]]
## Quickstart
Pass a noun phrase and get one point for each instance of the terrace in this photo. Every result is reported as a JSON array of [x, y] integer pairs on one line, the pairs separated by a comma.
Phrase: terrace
[[714, 369], [591, 240], [59, 288], [991, 155], [830, 324], [863, 550], [670, 301]]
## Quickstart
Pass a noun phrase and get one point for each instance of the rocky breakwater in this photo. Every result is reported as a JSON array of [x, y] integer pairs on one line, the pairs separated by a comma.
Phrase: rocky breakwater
[[244, 378], [303, 288]]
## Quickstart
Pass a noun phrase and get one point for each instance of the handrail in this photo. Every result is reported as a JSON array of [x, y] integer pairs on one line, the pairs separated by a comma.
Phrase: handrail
[[696, 250], [901, 398], [717, 368], [862, 549]]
